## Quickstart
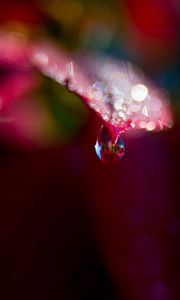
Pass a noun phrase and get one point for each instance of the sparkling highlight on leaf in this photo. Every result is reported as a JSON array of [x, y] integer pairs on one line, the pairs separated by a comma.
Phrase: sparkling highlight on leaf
[[139, 92], [116, 91]]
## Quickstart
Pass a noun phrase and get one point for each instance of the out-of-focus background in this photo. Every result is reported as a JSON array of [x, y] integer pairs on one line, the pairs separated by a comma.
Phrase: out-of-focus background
[[72, 227]]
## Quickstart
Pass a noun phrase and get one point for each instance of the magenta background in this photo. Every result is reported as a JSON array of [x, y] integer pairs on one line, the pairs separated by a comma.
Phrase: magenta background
[[65, 213]]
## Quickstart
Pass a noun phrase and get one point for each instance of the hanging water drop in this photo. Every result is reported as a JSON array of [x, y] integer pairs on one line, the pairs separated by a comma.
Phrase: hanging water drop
[[109, 147]]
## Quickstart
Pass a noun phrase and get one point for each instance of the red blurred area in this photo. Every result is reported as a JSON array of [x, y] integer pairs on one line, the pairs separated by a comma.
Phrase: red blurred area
[[152, 32], [157, 19], [22, 11]]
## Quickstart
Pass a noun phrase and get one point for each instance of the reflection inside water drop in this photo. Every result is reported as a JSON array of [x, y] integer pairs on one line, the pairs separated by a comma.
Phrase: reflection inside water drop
[[109, 148]]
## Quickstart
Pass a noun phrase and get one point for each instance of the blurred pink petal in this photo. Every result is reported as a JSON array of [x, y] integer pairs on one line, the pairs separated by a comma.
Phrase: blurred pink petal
[[119, 94], [14, 87], [13, 49], [17, 78]]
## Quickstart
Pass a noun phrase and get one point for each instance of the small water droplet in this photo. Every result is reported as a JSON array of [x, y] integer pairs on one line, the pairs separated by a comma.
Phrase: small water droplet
[[109, 148]]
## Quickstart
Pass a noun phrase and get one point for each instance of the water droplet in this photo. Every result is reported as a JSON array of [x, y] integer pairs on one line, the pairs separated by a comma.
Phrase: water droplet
[[109, 147]]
